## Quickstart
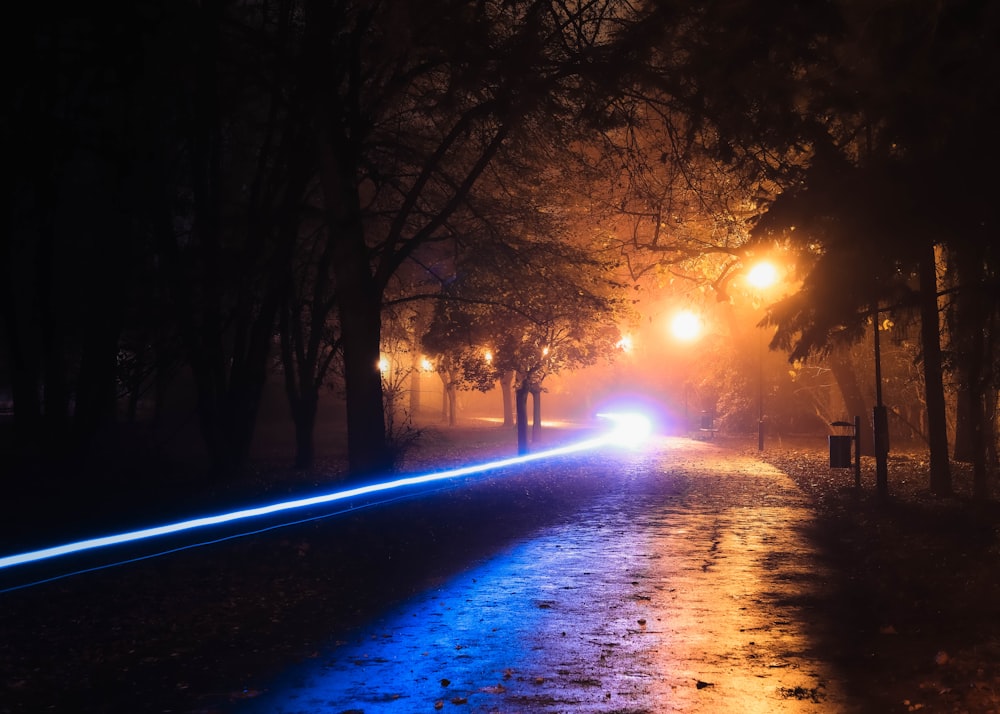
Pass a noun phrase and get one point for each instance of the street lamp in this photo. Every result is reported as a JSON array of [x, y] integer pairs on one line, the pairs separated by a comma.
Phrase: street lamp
[[761, 276], [686, 326]]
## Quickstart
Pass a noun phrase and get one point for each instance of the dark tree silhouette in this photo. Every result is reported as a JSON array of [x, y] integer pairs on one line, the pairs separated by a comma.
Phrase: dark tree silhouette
[[79, 125], [413, 104], [866, 115]]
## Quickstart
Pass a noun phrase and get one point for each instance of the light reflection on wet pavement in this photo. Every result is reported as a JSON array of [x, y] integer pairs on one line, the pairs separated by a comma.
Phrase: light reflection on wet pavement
[[684, 586]]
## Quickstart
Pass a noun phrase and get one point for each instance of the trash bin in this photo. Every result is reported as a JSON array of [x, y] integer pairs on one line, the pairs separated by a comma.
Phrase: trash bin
[[840, 451]]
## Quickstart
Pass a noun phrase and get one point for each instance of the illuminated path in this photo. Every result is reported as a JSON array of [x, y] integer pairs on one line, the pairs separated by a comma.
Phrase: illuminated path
[[683, 587], [671, 579]]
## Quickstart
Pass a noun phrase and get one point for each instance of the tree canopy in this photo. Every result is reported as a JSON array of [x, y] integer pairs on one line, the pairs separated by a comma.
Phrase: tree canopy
[[189, 180]]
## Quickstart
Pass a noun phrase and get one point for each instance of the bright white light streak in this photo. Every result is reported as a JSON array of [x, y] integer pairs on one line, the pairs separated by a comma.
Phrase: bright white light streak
[[613, 437], [630, 428]]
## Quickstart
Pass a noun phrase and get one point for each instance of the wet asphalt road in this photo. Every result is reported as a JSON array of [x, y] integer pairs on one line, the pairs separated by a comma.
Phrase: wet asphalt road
[[676, 578]]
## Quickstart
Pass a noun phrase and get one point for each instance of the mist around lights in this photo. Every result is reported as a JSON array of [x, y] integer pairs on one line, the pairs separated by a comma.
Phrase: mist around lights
[[628, 429]]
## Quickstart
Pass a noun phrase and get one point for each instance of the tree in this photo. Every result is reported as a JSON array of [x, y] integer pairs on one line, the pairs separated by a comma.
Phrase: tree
[[80, 124], [838, 300], [309, 334], [875, 101], [538, 307], [415, 103], [247, 165], [459, 341], [910, 116]]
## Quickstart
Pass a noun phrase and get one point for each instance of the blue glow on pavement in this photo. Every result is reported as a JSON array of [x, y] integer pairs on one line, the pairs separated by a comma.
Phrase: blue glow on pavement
[[525, 630], [623, 433], [482, 627]]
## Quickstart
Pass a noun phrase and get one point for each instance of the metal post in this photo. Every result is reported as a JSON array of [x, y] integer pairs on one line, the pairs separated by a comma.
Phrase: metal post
[[880, 421], [857, 452], [760, 394]]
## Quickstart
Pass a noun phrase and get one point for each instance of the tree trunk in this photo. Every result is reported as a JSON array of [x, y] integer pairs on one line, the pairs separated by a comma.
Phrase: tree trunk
[[20, 326], [444, 397], [302, 392], [359, 304], [230, 378], [506, 384], [24, 382], [302, 397], [416, 375], [977, 416], [452, 404], [96, 394], [55, 382], [304, 415], [964, 450], [361, 327], [209, 365], [521, 407], [56, 394], [536, 415], [972, 336], [991, 428], [930, 334], [228, 417], [449, 397], [847, 381]]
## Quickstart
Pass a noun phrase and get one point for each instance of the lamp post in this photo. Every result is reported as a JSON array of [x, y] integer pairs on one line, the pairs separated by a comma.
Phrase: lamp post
[[761, 276], [760, 392], [686, 327], [880, 419]]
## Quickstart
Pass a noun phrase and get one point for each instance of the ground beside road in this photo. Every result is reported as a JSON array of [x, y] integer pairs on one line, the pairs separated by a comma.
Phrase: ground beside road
[[913, 605], [917, 579]]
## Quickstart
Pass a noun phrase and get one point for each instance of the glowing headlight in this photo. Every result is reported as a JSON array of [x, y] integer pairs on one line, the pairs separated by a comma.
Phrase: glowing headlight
[[630, 428]]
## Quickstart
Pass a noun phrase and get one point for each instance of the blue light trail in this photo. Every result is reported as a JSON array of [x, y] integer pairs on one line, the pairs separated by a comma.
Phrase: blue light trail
[[627, 428]]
